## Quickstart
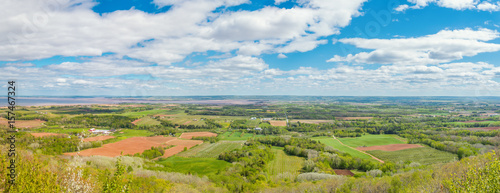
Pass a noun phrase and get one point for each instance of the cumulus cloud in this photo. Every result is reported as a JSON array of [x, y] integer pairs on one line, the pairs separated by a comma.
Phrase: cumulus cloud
[[445, 46], [452, 4]]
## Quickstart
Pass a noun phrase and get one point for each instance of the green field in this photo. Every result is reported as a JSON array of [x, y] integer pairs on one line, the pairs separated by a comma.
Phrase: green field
[[370, 140], [201, 166], [144, 113], [148, 121], [422, 155], [214, 149], [132, 133], [329, 141], [59, 130], [236, 136], [284, 163]]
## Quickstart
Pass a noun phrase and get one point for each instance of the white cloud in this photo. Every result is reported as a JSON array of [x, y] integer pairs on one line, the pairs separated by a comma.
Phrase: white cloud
[[281, 55], [31, 31], [445, 46], [452, 4]]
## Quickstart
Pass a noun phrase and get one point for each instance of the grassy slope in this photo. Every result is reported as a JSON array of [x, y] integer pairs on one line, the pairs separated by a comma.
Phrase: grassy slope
[[284, 163], [370, 140], [201, 166], [423, 155], [236, 136], [217, 148], [335, 144], [148, 121]]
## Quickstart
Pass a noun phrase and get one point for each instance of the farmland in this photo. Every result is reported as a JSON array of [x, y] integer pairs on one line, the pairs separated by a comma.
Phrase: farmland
[[284, 163], [200, 166], [370, 140], [423, 155], [335, 144], [237, 148], [213, 150]]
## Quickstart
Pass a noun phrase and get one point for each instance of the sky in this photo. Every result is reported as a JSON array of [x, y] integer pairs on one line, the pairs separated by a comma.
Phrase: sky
[[244, 47]]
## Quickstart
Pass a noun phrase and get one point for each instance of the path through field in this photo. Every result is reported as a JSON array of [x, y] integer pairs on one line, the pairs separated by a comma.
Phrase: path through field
[[358, 150]]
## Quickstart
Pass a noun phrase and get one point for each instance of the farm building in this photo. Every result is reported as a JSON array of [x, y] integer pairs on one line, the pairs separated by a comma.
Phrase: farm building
[[97, 131]]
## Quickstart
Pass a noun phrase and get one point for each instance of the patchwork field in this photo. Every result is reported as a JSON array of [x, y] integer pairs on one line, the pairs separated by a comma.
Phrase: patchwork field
[[353, 118], [200, 166], [370, 140], [284, 163], [312, 121], [23, 123], [329, 141], [190, 135], [236, 136], [391, 147], [146, 121], [213, 150], [278, 123], [422, 155]]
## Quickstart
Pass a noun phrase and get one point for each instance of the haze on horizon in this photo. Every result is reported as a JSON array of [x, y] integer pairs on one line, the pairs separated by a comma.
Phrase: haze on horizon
[[243, 47]]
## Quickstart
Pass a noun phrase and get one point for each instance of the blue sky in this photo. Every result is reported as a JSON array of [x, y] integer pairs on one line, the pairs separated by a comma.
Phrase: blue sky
[[243, 47]]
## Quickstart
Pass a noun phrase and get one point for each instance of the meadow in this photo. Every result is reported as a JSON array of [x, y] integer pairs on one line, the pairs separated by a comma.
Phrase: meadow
[[236, 136], [284, 163], [370, 140], [422, 155], [329, 141], [200, 166]]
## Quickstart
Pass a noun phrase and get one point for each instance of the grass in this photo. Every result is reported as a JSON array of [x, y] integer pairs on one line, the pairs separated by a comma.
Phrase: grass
[[59, 130], [329, 141], [236, 136], [200, 166], [284, 163], [370, 140], [194, 150], [144, 113], [214, 149], [422, 155], [148, 121], [132, 133]]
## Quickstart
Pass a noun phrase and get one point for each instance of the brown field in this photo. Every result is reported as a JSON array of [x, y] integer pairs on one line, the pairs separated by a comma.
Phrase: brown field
[[353, 118], [197, 134], [278, 123], [179, 146], [344, 172], [391, 147], [98, 138], [46, 134], [313, 121], [484, 128], [129, 146], [23, 123], [135, 145]]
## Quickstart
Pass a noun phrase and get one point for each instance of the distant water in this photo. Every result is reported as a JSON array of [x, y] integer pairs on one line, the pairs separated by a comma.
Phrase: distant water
[[45, 101]]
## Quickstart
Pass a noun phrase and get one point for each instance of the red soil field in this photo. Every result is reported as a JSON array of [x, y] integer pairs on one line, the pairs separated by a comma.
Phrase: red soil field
[[98, 138], [485, 128], [179, 146], [391, 147], [344, 172], [353, 118], [197, 134], [46, 134], [128, 146], [278, 123], [23, 123]]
